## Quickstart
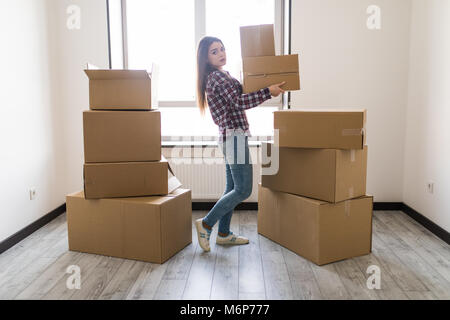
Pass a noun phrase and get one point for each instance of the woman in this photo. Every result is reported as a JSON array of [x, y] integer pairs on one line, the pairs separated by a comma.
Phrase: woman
[[223, 95]]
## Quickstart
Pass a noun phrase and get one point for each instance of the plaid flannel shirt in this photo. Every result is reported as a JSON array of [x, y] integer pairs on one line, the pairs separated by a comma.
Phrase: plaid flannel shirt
[[227, 104]]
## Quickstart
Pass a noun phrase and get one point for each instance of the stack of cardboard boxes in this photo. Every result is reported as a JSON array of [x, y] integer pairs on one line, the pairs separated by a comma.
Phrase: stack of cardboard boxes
[[316, 203], [131, 206], [261, 67]]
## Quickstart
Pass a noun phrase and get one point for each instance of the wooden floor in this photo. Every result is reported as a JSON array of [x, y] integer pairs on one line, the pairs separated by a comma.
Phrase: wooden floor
[[414, 264]]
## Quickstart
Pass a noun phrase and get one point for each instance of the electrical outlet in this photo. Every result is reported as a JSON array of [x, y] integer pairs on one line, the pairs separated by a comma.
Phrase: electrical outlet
[[430, 187], [32, 194]]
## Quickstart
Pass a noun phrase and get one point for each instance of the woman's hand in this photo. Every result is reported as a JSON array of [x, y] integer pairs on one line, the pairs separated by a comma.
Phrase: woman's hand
[[275, 89]]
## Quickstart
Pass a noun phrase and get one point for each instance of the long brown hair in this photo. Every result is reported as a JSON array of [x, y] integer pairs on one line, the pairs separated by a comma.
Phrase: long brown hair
[[204, 68]]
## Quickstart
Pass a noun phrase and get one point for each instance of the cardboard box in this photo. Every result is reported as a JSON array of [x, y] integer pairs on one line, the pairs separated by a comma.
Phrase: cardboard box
[[128, 179], [122, 89], [257, 41], [261, 67], [331, 175], [151, 229], [320, 128], [261, 72], [122, 136], [319, 231]]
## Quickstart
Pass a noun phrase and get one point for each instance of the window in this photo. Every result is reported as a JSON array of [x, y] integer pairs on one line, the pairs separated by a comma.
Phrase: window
[[166, 32], [162, 31]]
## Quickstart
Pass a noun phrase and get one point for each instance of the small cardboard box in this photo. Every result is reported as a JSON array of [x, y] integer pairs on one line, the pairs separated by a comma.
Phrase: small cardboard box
[[257, 41], [319, 231], [128, 179], [151, 229], [331, 175], [122, 136], [122, 89], [261, 72], [328, 129]]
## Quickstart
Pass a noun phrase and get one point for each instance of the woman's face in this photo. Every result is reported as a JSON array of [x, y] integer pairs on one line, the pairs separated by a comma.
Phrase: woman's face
[[217, 56]]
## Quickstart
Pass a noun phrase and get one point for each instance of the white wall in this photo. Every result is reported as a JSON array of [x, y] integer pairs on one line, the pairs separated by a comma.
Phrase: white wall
[[344, 64], [75, 48], [29, 127], [43, 92], [427, 153]]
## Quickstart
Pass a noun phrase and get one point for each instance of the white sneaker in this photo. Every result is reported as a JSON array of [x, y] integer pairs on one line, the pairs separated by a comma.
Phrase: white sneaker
[[203, 235], [231, 239]]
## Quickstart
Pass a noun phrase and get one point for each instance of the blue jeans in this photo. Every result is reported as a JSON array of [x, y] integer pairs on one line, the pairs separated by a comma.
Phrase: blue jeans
[[239, 173]]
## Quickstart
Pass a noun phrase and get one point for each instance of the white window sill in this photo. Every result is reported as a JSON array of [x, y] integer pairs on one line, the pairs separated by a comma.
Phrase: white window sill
[[174, 144]]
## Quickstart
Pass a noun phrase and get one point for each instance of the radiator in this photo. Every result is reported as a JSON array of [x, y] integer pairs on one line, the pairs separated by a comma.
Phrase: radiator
[[204, 175]]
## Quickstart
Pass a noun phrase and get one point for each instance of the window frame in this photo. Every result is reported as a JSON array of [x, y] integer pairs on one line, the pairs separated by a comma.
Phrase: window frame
[[281, 29]]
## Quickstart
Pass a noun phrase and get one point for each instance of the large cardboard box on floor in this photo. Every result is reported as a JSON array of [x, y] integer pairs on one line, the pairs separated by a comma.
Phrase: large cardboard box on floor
[[128, 179], [261, 67], [331, 175], [319, 231], [122, 89], [122, 136], [151, 229], [328, 129]]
